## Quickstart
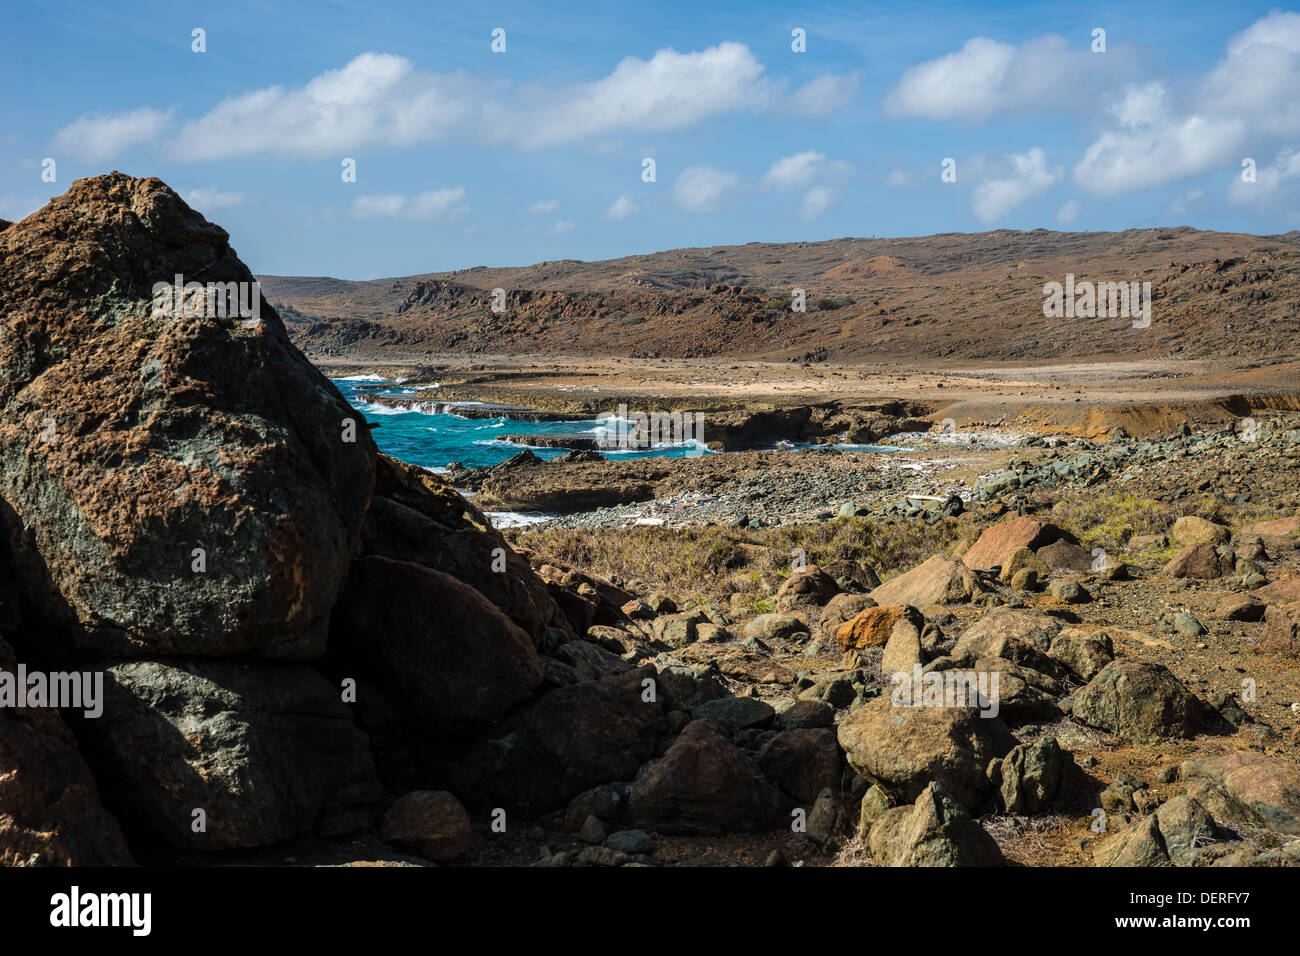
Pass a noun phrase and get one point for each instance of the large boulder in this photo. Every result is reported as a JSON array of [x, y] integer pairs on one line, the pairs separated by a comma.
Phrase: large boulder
[[447, 657], [1191, 530], [416, 516], [938, 580], [705, 784], [872, 626], [1281, 630], [267, 751], [997, 542], [549, 750], [431, 821], [1140, 702], [811, 585], [1247, 789], [843, 607], [50, 810], [803, 762], [1201, 561], [175, 483], [934, 831], [1168, 837], [901, 749]]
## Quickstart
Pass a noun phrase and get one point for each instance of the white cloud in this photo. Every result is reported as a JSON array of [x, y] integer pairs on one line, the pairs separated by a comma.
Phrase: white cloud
[[1069, 212], [1154, 156], [1141, 106], [702, 189], [382, 99], [1270, 181], [986, 77], [824, 95], [96, 138], [544, 207], [897, 178], [622, 208], [561, 227], [206, 198], [1030, 177], [816, 201], [440, 205], [805, 169]]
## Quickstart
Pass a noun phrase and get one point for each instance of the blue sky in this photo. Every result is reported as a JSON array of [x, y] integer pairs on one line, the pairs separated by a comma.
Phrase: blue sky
[[465, 156]]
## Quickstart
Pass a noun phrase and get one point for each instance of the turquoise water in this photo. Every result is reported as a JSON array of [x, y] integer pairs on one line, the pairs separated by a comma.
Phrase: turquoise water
[[434, 440]]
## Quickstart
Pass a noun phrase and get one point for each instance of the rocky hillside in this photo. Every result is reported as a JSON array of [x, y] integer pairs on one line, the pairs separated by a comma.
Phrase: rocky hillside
[[950, 297]]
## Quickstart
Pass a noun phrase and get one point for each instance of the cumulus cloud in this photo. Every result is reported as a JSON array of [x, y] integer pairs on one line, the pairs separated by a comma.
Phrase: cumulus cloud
[[98, 137], [1248, 98], [544, 207], [206, 198], [986, 77], [816, 201], [703, 189], [1069, 212], [1030, 176], [622, 208], [439, 205], [562, 226], [1280, 177], [809, 170], [382, 99]]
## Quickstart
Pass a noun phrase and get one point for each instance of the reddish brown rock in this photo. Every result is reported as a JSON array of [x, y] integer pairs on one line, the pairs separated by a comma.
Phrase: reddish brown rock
[[1281, 630], [1199, 561], [997, 542], [872, 627], [431, 821], [938, 580]]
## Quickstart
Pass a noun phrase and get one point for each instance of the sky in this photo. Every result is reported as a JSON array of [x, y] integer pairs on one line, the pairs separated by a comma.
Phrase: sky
[[369, 139]]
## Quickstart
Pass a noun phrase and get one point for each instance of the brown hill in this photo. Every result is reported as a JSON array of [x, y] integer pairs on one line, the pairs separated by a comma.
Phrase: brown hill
[[947, 297]]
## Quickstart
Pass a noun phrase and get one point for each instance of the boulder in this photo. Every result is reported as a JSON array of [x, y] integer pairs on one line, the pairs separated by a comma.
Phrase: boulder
[[1279, 534], [450, 660], [1194, 531], [872, 626], [1247, 789], [1064, 556], [267, 751], [175, 483], [1281, 630], [841, 608], [934, 831], [1017, 634], [774, 627], [1022, 559], [553, 748], [704, 784], [902, 749], [433, 822], [1138, 701], [998, 541], [803, 763], [903, 650], [810, 585], [1029, 779], [1200, 561], [1083, 651], [734, 714], [938, 580], [1170, 836]]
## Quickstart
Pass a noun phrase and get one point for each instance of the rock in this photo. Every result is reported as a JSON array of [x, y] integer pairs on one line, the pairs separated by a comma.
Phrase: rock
[[842, 607], [1022, 559], [1016, 634], [661, 603], [902, 749], [1280, 534], [740, 664], [874, 804], [1029, 778], [1138, 701], [688, 687], [1239, 607], [831, 819], [450, 660], [1025, 579], [1171, 835], [1071, 592], [803, 762], [269, 752], [220, 437], [1148, 542], [810, 585], [934, 831], [1194, 531], [418, 517], [872, 626], [631, 842], [50, 810], [1199, 561], [600, 856], [705, 785], [1281, 630], [592, 830], [903, 649], [938, 580], [1247, 789], [677, 629], [1187, 625], [1064, 556], [549, 750], [997, 542], [734, 714], [774, 627], [1083, 652], [802, 714], [433, 822], [603, 802], [852, 577]]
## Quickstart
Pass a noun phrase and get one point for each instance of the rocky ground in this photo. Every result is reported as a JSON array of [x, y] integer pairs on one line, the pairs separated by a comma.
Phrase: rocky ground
[[1072, 652]]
